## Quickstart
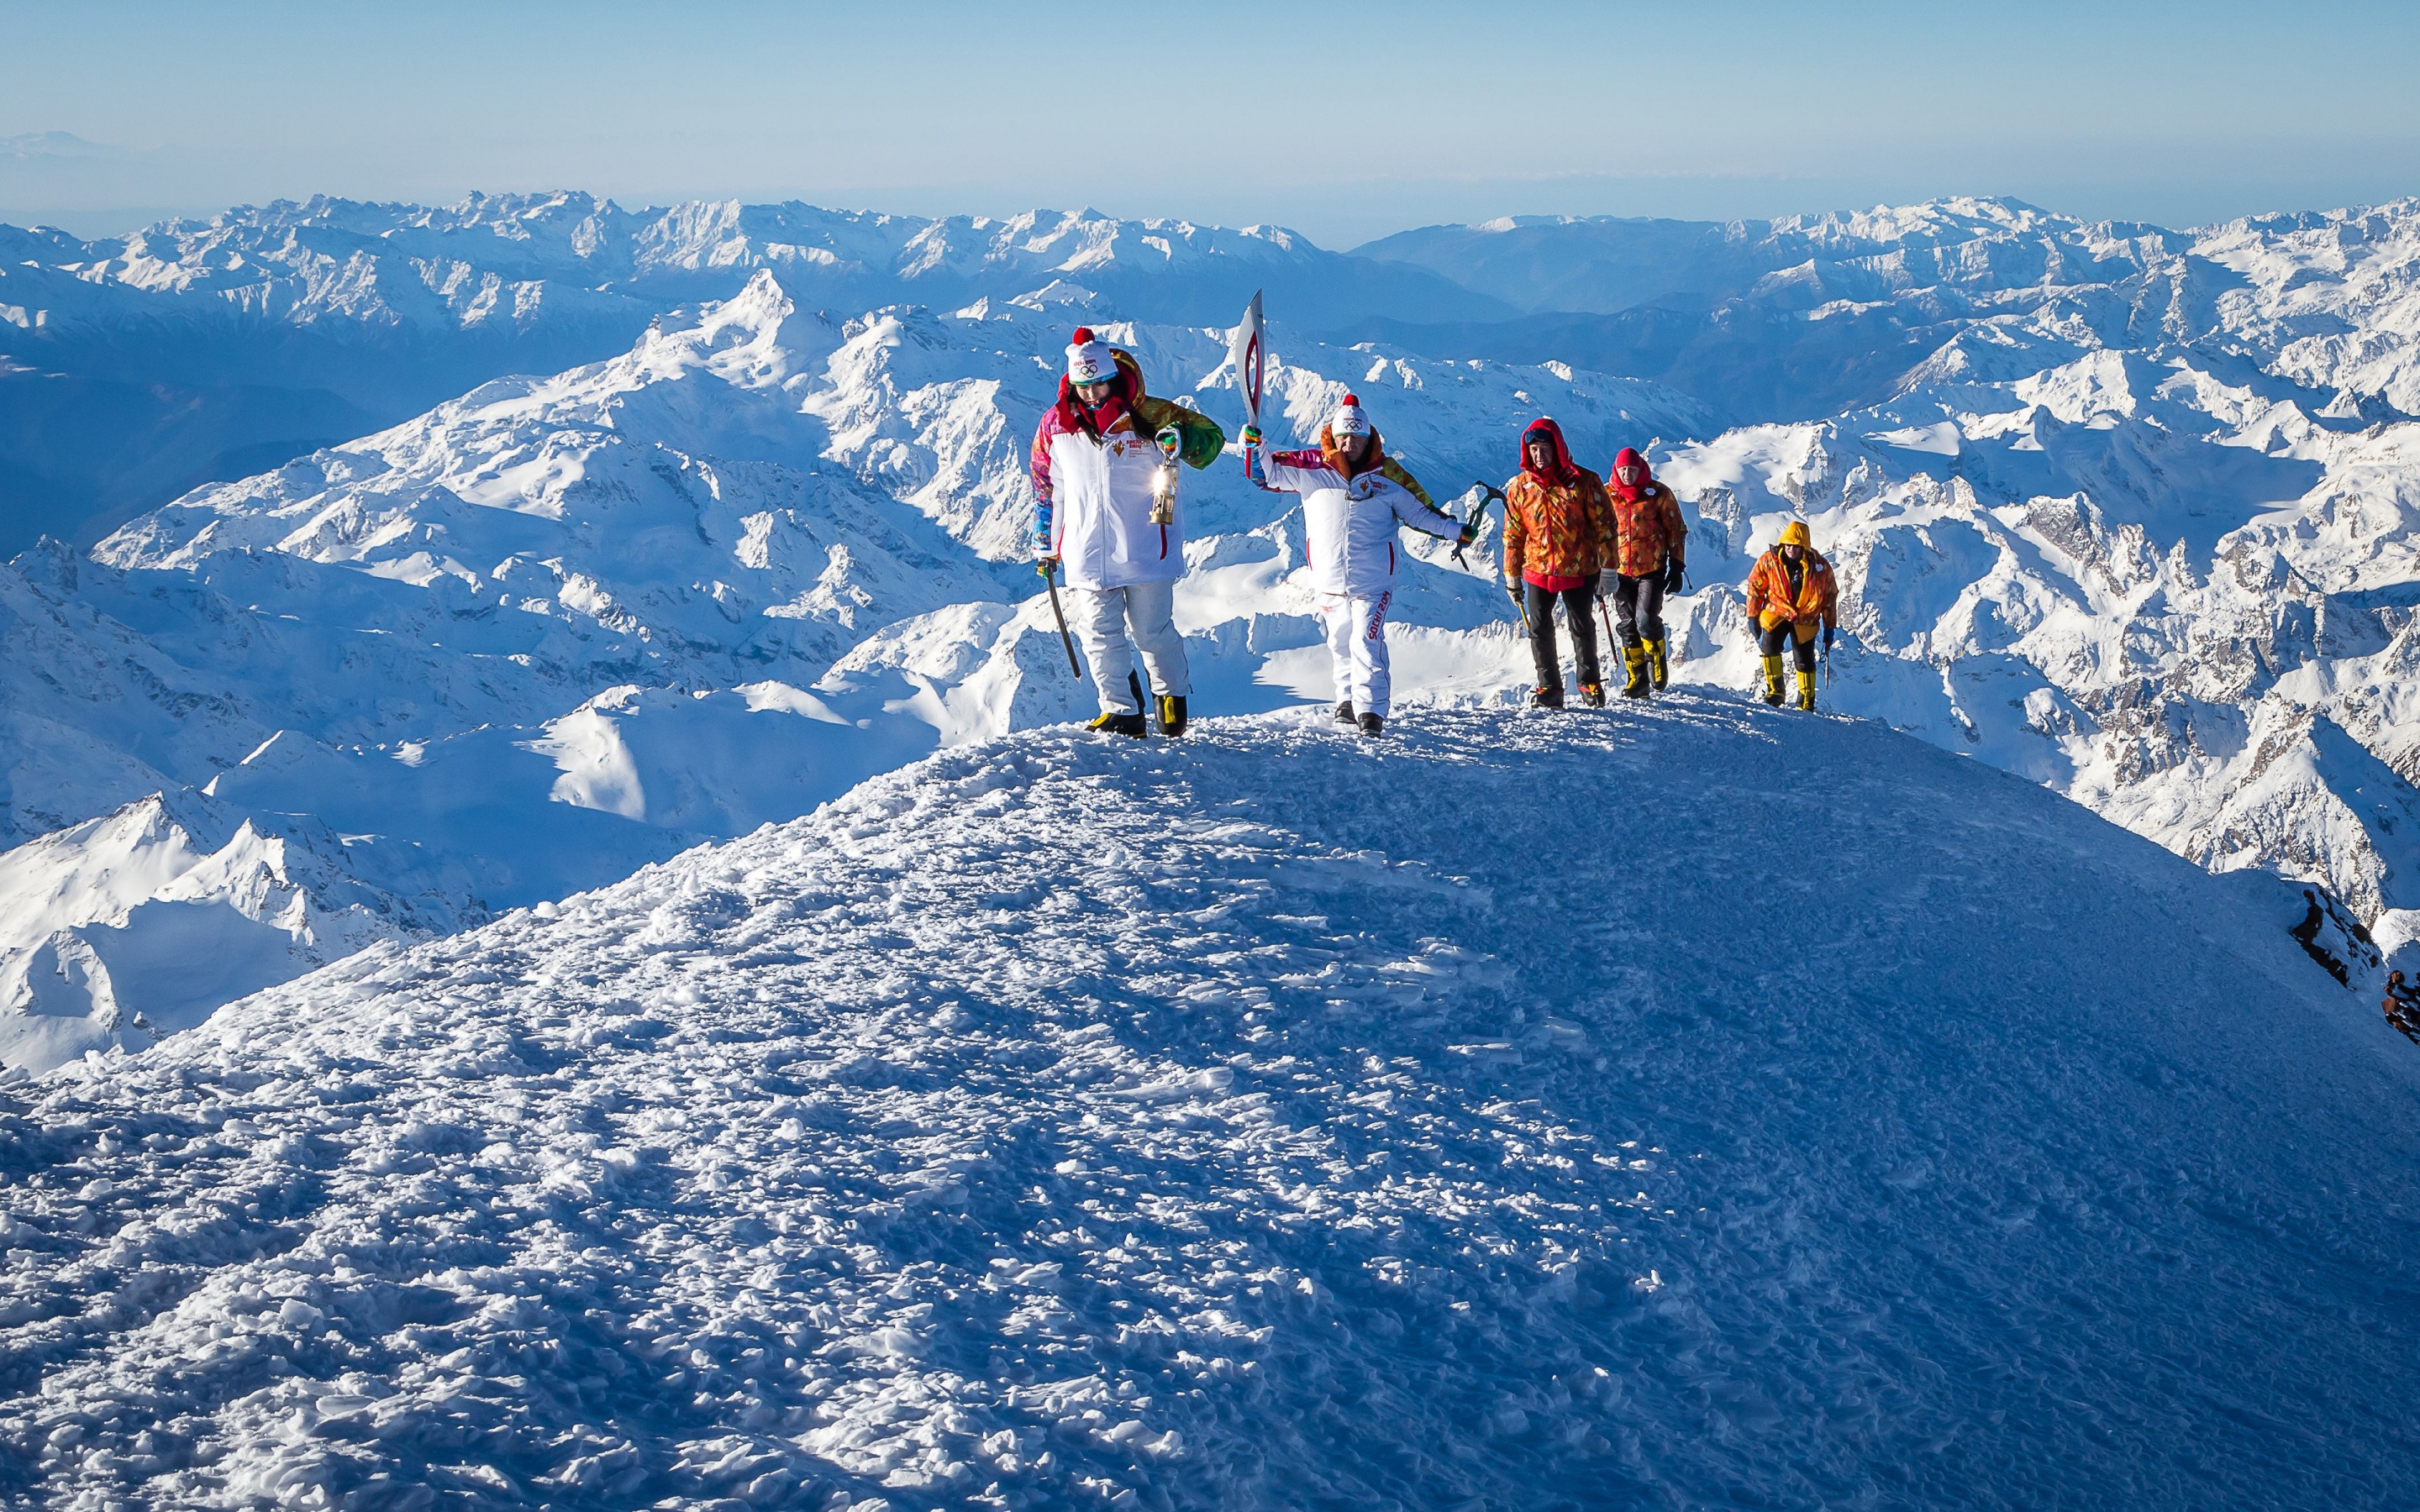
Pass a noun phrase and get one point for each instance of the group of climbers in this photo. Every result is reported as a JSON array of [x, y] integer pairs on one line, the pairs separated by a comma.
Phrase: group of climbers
[[1564, 530], [1104, 469]]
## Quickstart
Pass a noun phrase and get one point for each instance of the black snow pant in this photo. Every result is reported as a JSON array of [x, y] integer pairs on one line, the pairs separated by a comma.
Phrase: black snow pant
[[1639, 607], [1579, 605], [1802, 652]]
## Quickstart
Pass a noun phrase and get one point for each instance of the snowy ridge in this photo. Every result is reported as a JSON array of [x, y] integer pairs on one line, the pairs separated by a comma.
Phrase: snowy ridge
[[1053, 1123], [563, 627]]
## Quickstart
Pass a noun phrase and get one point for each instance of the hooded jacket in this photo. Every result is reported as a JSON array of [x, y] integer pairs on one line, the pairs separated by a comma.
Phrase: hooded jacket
[[1095, 474], [1558, 525], [1647, 521], [1350, 514], [1772, 600]]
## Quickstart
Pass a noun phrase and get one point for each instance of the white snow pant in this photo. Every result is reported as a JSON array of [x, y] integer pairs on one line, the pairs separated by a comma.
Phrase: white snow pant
[[1148, 612], [1357, 648]]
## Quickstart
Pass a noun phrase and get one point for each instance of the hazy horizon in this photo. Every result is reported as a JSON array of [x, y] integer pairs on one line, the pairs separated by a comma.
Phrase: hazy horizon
[[1343, 123], [104, 223]]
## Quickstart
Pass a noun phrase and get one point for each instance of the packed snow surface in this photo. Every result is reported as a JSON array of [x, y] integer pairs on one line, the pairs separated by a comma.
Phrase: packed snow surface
[[1695, 1106]]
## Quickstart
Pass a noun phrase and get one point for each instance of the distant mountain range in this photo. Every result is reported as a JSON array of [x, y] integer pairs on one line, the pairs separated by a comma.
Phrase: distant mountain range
[[136, 367], [132, 368]]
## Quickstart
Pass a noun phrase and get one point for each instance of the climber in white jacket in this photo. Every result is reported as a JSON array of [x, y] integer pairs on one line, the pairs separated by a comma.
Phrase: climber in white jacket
[[1104, 471], [1353, 499]]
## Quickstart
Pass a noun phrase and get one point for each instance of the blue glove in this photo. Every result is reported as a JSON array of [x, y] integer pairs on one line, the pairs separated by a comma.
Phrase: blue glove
[[1827, 638]]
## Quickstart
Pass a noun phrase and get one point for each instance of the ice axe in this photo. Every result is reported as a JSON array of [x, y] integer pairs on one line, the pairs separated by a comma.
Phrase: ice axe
[[1051, 576], [1489, 493]]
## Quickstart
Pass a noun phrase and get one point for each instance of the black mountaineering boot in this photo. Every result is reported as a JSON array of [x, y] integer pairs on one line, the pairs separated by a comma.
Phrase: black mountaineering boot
[[1171, 714], [1372, 724], [1545, 698], [1110, 722], [1344, 711], [1593, 694], [1634, 662]]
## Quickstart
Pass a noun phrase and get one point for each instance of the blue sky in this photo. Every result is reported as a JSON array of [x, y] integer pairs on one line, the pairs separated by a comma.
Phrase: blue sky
[[1344, 121]]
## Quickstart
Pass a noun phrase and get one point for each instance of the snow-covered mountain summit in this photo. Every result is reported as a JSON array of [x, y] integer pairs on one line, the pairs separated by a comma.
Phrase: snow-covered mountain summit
[[1223, 1123], [561, 626]]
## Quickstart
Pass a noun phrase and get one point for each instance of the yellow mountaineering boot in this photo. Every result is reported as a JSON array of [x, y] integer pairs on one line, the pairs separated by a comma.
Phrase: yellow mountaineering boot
[[1634, 659], [1773, 679], [1659, 671], [1807, 691]]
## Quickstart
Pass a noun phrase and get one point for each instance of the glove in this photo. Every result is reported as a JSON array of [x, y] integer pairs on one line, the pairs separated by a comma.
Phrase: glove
[[1827, 638], [1046, 565], [1171, 443], [1469, 533], [1674, 573], [1515, 589], [1252, 435]]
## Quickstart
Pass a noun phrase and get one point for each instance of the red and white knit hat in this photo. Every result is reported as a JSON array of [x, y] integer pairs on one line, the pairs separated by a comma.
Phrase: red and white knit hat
[[1350, 419], [1088, 359]]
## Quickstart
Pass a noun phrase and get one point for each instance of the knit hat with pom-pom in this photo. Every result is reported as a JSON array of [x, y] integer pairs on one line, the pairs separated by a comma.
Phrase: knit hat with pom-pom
[[1088, 359], [1350, 420]]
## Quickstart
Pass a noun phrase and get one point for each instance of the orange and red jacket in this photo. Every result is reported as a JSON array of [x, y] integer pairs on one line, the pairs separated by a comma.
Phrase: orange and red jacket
[[1647, 521], [1770, 602], [1559, 527]]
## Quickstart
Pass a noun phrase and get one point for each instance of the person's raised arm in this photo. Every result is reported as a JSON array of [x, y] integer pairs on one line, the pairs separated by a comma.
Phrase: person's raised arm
[[1268, 472], [1199, 440]]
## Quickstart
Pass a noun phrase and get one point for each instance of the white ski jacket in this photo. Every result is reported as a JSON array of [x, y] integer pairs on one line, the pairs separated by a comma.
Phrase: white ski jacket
[[1101, 500], [1349, 524]]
